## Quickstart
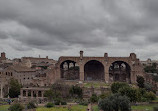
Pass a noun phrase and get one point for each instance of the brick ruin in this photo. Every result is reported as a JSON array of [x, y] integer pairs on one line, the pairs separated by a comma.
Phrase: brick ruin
[[107, 69], [70, 69]]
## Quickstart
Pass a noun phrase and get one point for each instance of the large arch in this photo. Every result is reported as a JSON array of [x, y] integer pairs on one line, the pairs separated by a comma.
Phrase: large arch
[[120, 71], [94, 71], [69, 70]]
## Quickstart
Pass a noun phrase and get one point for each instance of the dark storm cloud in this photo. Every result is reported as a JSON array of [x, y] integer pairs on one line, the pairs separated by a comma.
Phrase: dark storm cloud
[[60, 25]]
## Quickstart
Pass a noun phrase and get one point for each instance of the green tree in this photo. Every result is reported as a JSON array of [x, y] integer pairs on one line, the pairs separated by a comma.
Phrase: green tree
[[115, 102], [14, 88], [51, 95], [133, 94], [117, 85], [76, 91], [140, 81], [149, 96], [94, 98], [105, 105]]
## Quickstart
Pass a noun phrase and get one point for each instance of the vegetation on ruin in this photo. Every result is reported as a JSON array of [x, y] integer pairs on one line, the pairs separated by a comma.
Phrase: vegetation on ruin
[[118, 85], [14, 88], [76, 91], [152, 69], [95, 84]]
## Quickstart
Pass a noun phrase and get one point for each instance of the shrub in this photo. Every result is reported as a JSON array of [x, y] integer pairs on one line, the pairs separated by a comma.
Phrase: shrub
[[105, 105], [83, 102], [16, 107], [117, 85], [155, 108], [142, 91], [115, 102], [149, 96], [94, 98], [57, 101], [133, 94], [124, 103], [49, 105], [104, 95], [76, 91], [31, 105], [63, 103]]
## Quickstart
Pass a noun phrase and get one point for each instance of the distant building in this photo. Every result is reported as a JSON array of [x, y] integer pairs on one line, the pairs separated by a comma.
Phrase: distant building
[[149, 62]]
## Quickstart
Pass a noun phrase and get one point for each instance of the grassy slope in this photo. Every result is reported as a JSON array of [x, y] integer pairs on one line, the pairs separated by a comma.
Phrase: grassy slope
[[4, 108], [74, 108], [141, 107]]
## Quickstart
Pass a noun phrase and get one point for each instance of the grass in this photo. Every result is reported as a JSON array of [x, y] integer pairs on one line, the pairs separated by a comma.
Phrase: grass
[[4, 107], [144, 107], [73, 108], [95, 108], [135, 108], [95, 84]]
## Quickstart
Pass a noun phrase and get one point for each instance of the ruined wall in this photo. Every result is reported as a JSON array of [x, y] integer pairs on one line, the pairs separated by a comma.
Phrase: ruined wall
[[134, 63]]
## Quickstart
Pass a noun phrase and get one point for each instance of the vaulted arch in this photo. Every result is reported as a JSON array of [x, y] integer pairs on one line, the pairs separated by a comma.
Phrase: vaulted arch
[[94, 71], [69, 70], [120, 71]]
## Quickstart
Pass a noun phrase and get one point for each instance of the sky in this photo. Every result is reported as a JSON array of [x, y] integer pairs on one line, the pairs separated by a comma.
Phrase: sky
[[64, 27]]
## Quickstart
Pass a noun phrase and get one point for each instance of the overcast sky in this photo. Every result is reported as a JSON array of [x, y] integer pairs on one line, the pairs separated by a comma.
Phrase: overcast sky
[[64, 27]]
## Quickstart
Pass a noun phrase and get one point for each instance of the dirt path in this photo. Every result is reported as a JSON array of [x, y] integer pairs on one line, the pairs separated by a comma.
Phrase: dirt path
[[89, 107]]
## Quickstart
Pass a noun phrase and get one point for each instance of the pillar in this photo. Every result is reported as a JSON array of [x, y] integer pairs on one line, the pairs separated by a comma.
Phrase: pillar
[[1, 90], [81, 55], [81, 66], [81, 72], [31, 94], [26, 93], [8, 91], [133, 78], [21, 92], [42, 92], [36, 93], [106, 74]]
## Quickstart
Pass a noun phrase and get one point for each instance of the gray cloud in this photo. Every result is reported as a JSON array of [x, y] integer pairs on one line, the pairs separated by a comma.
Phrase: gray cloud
[[61, 27]]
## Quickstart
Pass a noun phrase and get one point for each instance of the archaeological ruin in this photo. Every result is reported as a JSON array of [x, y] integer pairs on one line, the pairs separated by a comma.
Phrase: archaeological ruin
[[107, 69]]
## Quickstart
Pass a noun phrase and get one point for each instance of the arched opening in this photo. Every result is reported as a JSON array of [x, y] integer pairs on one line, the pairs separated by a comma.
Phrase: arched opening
[[24, 93], [39, 94], [94, 71], [119, 71], [69, 70]]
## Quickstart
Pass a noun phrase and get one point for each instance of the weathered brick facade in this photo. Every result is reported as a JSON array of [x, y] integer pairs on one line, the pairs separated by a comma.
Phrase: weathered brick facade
[[132, 61]]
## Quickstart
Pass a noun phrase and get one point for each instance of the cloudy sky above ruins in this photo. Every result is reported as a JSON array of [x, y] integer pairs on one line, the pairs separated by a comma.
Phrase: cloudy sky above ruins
[[64, 27]]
